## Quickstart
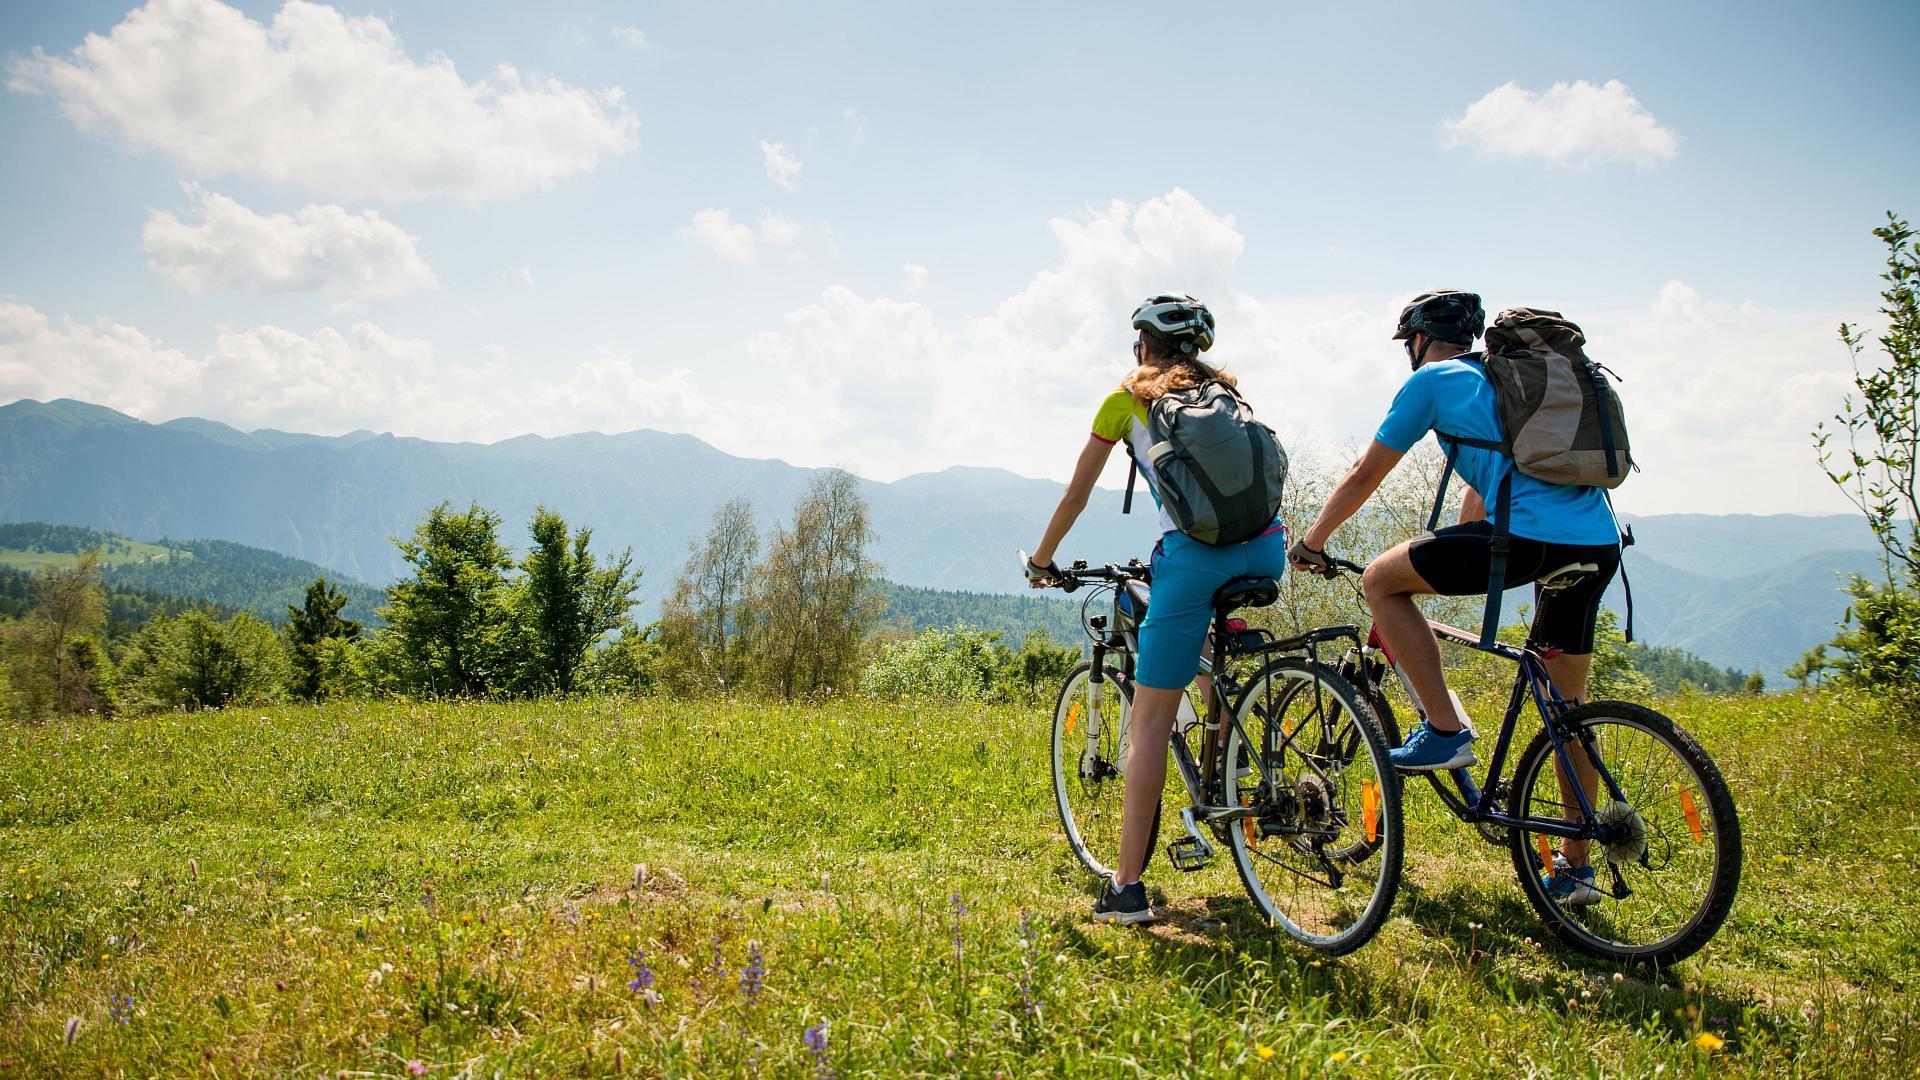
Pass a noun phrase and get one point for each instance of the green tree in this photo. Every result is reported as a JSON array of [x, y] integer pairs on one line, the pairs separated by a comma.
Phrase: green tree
[[1877, 470], [814, 597], [192, 660], [309, 627], [703, 617], [952, 663], [52, 671], [449, 622], [1613, 676], [567, 602]]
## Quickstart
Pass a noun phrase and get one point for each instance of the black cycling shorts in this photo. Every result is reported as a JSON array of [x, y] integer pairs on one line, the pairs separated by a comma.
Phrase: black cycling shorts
[[1454, 561]]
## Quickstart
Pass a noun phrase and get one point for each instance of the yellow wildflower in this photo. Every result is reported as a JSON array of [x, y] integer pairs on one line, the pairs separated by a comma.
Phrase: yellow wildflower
[[1339, 1056], [1264, 1051], [1708, 1041]]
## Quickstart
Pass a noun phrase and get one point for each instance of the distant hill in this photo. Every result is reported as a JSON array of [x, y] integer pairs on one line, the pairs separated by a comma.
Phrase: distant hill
[[1742, 591], [127, 609], [226, 575], [1014, 617]]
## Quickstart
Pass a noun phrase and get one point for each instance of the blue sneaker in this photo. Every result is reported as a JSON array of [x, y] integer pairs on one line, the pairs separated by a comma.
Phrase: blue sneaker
[[1427, 750], [1571, 886]]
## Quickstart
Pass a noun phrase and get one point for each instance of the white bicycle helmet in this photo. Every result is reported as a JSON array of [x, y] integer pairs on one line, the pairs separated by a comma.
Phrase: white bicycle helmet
[[1178, 322]]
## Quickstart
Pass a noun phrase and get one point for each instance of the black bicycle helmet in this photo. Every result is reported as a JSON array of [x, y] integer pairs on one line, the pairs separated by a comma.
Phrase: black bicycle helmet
[[1180, 323], [1445, 315]]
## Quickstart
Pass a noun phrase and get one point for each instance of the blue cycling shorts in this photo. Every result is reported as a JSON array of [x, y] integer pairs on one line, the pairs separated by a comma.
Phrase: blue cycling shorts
[[1186, 573]]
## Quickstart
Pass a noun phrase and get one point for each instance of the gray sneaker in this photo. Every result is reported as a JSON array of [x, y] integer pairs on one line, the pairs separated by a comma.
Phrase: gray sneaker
[[1126, 906]]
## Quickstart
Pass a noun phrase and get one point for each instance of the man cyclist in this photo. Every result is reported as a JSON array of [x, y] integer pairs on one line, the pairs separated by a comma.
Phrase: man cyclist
[[1552, 526]]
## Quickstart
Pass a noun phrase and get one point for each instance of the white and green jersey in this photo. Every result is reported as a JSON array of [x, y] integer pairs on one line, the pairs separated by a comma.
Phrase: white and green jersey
[[1124, 420]]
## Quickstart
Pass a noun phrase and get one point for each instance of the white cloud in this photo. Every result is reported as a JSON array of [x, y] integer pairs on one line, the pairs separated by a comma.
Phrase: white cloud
[[715, 230], [105, 363], [634, 37], [315, 249], [1569, 124], [856, 124], [1720, 395], [526, 276], [776, 231], [782, 166], [325, 102], [334, 381], [916, 276]]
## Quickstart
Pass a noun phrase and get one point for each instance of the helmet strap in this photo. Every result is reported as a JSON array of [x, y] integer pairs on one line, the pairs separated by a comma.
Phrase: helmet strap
[[1420, 355]]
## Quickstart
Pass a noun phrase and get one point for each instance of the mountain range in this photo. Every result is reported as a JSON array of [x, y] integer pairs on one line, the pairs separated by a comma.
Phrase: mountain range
[[1741, 591]]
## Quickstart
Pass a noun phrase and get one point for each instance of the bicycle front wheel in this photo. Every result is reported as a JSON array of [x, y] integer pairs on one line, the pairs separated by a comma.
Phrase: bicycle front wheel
[[1667, 864], [1320, 853], [1091, 728]]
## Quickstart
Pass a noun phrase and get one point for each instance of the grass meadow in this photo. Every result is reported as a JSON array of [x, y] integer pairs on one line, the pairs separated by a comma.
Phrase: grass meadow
[[851, 889]]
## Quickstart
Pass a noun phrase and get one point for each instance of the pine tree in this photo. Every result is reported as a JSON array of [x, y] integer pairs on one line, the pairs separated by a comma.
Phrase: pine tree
[[568, 601], [449, 622], [316, 621]]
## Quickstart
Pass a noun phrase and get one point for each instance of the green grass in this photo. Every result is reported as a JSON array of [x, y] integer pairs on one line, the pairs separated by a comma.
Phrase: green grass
[[363, 888]]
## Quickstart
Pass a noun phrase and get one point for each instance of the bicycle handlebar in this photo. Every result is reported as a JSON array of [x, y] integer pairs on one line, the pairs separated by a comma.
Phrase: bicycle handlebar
[[1078, 574]]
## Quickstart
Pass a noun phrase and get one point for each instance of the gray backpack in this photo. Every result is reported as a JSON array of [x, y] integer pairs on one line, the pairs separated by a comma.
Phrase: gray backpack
[[1561, 417], [1220, 472], [1560, 421]]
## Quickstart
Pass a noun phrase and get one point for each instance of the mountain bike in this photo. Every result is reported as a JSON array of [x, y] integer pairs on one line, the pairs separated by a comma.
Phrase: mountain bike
[[1662, 825], [1309, 810]]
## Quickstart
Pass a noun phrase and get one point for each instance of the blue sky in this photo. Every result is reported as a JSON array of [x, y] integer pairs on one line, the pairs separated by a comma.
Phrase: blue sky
[[329, 218]]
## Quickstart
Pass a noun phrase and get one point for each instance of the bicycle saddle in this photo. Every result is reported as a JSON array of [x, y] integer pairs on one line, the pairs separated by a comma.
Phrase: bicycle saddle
[[1252, 591], [1567, 576]]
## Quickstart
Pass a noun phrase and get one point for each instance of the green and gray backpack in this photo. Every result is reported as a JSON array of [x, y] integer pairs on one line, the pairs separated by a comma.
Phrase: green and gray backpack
[[1219, 472], [1560, 421]]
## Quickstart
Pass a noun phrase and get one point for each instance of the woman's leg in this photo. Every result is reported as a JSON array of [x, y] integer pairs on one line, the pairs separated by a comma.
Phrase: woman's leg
[[1153, 713]]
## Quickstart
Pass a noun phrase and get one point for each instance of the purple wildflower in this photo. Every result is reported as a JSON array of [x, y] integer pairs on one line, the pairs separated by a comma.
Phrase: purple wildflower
[[1029, 960], [959, 912], [642, 974], [753, 977], [120, 1008], [817, 1046]]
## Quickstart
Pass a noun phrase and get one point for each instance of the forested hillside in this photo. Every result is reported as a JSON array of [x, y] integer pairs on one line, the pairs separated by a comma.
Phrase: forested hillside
[[215, 572], [127, 608], [1013, 617]]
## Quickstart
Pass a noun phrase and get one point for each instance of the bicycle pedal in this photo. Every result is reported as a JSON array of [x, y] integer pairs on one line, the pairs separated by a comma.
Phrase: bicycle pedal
[[1189, 855]]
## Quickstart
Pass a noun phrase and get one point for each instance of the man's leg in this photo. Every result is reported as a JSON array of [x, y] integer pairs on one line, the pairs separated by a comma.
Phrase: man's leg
[[1569, 674], [1153, 713], [1391, 583]]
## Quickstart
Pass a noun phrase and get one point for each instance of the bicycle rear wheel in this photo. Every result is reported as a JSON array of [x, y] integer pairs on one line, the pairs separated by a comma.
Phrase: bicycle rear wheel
[[1321, 856], [1668, 875], [1090, 731]]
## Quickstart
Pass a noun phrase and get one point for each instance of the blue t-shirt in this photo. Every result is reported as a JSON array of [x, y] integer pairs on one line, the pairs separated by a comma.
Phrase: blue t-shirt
[[1455, 396]]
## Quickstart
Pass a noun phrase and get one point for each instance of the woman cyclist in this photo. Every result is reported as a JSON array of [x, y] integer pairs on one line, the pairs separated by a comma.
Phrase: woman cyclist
[[1173, 332]]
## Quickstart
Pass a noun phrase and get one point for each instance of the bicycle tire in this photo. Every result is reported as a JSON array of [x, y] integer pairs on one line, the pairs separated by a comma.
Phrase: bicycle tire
[[1324, 788], [1098, 788], [1671, 830]]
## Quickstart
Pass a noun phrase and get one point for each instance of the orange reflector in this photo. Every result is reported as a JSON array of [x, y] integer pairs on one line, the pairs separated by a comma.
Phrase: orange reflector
[[1693, 815], [1073, 716], [1370, 809], [1546, 851], [1249, 825]]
